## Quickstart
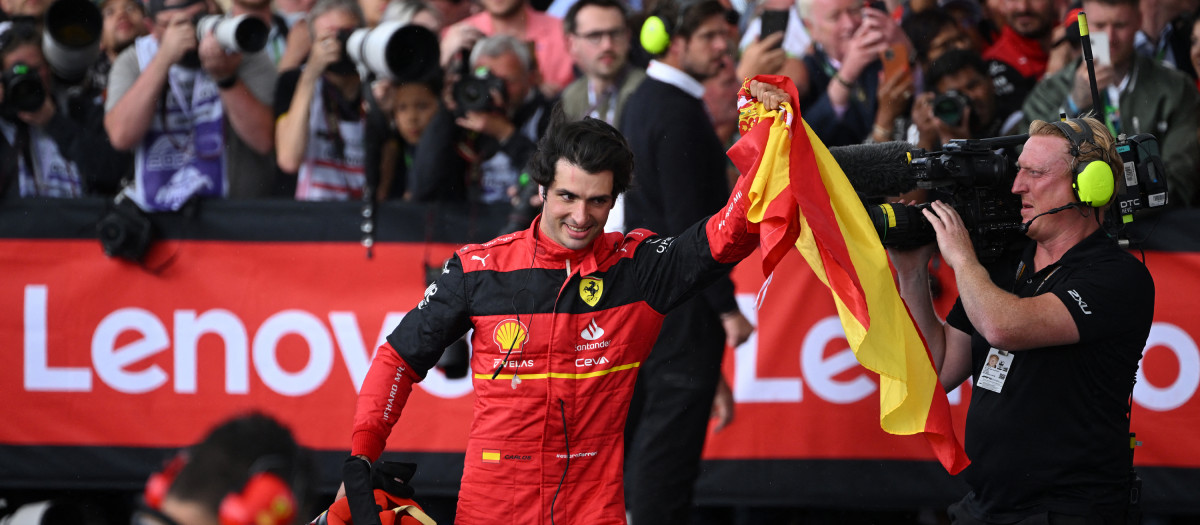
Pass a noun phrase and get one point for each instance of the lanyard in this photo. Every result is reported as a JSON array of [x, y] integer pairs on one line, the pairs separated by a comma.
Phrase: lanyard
[[1021, 271]]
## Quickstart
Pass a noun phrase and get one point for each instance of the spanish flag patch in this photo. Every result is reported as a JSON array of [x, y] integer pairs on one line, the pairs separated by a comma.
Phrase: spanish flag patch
[[491, 455]]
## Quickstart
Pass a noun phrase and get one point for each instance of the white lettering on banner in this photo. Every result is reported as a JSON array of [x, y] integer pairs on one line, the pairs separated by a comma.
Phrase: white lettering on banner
[[113, 364], [320, 352], [1180, 391], [747, 386], [817, 369], [820, 370], [39, 375], [189, 328]]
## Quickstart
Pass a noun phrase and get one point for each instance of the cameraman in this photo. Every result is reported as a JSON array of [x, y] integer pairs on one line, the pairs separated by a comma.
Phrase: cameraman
[[961, 105], [199, 116], [477, 153], [320, 121], [52, 141], [1068, 321]]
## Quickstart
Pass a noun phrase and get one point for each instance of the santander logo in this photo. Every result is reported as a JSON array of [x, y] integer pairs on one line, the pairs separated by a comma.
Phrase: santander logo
[[592, 332]]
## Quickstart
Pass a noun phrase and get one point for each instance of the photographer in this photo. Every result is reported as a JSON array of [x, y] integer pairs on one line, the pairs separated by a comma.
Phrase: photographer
[[961, 105], [477, 146], [198, 115], [320, 120], [52, 141], [1067, 322]]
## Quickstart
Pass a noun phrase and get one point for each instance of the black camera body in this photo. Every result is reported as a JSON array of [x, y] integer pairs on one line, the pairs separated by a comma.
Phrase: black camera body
[[473, 92], [23, 89], [975, 177], [950, 107], [125, 231]]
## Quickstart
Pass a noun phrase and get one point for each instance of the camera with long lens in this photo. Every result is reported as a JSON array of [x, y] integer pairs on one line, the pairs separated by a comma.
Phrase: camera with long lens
[[235, 34], [71, 39], [393, 51], [974, 176], [473, 91], [950, 107], [23, 89]]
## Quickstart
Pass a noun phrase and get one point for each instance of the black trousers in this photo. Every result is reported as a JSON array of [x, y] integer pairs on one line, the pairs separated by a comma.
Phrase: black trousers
[[669, 413]]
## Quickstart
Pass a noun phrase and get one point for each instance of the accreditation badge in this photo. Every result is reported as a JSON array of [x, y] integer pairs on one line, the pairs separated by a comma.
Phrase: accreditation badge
[[995, 370]]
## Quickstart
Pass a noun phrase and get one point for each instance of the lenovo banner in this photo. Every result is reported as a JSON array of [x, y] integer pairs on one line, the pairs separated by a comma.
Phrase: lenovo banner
[[108, 357]]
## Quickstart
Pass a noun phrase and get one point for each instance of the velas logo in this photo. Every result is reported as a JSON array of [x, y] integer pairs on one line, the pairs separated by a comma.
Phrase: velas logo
[[510, 335], [590, 290], [592, 332]]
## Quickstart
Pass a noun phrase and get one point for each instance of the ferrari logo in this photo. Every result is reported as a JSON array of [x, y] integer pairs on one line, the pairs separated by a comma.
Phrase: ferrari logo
[[590, 290]]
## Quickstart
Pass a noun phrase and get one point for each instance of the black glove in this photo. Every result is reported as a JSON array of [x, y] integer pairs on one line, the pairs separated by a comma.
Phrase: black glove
[[356, 474], [393, 478]]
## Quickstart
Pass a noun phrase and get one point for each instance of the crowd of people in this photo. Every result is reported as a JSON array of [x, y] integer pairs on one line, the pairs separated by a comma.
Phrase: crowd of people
[[166, 115]]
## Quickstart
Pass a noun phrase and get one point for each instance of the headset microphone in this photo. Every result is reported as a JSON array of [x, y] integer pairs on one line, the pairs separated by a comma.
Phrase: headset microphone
[[1025, 226]]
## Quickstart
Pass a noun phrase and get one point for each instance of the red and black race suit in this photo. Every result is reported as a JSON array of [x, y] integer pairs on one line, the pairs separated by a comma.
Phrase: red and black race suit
[[578, 324]]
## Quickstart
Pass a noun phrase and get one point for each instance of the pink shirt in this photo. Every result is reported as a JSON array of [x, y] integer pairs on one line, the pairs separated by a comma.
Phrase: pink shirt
[[550, 45]]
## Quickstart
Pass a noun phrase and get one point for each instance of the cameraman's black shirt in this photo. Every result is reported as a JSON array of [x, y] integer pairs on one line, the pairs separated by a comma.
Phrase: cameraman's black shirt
[[1056, 436]]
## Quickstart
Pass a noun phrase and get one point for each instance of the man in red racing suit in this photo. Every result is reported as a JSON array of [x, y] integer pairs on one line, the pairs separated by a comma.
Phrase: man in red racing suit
[[563, 316]]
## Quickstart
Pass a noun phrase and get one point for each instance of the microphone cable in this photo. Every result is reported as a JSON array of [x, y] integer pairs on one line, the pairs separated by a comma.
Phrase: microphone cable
[[1025, 225], [562, 409]]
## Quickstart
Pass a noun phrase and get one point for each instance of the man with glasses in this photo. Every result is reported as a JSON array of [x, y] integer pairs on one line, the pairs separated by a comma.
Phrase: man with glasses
[[598, 40]]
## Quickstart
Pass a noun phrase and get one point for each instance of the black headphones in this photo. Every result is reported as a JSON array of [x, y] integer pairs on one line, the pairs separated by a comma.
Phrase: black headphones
[[1092, 181]]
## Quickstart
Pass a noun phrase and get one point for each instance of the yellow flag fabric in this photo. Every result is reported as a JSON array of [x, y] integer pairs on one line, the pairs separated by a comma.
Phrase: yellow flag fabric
[[801, 199]]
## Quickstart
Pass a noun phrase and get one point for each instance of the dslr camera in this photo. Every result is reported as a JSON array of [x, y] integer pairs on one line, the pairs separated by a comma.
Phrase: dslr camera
[[23, 89], [473, 91], [950, 107]]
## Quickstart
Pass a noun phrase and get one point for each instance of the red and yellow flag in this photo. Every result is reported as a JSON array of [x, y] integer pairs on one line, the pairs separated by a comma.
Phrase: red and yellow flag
[[800, 198]]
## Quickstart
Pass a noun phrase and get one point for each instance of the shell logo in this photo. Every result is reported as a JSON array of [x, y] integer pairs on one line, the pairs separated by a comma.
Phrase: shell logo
[[510, 334]]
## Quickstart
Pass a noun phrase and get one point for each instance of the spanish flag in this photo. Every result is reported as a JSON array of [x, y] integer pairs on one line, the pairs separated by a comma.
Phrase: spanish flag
[[799, 197]]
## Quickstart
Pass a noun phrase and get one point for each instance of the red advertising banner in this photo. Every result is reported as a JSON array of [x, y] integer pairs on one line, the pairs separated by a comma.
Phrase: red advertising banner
[[103, 353]]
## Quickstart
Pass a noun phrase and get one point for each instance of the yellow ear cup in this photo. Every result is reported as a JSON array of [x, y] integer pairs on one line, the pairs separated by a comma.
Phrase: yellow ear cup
[[1094, 184], [654, 36]]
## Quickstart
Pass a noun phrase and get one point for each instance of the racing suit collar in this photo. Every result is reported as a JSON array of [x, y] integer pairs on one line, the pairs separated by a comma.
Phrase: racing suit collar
[[557, 255]]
